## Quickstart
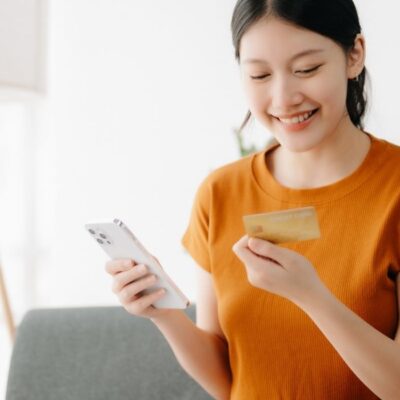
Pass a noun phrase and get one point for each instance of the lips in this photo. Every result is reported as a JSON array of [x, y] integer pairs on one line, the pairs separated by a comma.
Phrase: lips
[[298, 126], [298, 115]]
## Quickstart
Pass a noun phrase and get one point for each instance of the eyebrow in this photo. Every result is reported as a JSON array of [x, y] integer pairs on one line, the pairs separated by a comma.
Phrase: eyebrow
[[301, 54]]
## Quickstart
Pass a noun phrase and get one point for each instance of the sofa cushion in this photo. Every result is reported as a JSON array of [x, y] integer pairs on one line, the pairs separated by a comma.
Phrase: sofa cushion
[[99, 353]]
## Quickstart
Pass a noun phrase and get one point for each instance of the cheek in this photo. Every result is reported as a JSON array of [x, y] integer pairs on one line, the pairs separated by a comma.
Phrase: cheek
[[331, 94], [253, 95], [257, 101]]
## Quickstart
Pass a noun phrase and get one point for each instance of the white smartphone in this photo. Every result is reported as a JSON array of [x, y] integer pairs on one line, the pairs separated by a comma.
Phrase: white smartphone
[[118, 241]]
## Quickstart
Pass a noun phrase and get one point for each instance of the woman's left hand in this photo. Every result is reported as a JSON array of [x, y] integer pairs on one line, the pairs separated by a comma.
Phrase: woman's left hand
[[278, 270]]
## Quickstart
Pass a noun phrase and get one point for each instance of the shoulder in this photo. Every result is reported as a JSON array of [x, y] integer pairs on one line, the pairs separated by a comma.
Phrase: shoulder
[[226, 182], [391, 159], [386, 157], [233, 174], [385, 183], [392, 148]]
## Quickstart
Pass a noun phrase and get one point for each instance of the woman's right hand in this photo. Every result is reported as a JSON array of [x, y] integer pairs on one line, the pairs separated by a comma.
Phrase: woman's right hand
[[129, 280]]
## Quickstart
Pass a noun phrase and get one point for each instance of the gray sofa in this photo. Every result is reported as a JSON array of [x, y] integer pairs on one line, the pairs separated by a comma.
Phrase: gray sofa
[[95, 353]]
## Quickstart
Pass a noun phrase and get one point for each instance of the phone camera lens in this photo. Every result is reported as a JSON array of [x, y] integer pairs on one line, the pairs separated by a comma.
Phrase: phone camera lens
[[92, 231], [100, 241], [103, 236]]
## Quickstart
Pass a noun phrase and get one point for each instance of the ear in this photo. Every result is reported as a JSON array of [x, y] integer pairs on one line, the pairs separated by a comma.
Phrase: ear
[[356, 57]]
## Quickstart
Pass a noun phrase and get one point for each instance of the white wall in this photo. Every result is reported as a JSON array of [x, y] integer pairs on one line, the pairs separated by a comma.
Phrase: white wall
[[142, 99], [381, 28], [22, 33]]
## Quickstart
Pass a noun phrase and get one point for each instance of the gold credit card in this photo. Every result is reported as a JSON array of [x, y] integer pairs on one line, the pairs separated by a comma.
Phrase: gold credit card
[[290, 225]]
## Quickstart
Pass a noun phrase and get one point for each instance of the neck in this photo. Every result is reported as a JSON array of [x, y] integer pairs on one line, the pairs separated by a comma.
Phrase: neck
[[336, 157]]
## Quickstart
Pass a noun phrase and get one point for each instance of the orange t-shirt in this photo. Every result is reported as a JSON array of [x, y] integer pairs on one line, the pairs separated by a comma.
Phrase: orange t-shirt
[[276, 351]]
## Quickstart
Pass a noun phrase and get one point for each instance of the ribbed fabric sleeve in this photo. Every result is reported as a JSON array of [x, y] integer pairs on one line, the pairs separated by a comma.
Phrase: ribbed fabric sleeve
[[195, 239]]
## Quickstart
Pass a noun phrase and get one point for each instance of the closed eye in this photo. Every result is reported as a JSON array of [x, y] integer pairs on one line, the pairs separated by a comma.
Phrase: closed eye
[[259, 77], [305, 71]]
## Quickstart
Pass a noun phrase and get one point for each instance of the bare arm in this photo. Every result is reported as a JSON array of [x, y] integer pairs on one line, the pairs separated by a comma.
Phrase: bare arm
[[371, 355], [200, 348]]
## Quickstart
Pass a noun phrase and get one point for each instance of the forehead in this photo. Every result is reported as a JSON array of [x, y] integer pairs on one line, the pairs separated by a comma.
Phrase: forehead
[[275, 39]]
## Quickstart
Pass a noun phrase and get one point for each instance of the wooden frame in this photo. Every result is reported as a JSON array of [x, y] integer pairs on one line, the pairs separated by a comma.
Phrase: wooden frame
[[6, 307]]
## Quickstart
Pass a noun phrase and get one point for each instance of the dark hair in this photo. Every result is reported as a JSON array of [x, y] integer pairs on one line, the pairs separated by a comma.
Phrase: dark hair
[[335, 19]]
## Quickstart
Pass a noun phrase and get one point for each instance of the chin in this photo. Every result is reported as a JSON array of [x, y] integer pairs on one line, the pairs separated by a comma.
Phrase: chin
[[297, 144]]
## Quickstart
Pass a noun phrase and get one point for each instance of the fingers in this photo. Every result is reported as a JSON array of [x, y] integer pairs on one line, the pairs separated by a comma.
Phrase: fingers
[[249, 251], [262, 248], [240, 244], [121, 279], [144, 302], [247, 256], [243, 251], [115, 266], [133, 299], [129, 291], [280, 255], [130, 279]]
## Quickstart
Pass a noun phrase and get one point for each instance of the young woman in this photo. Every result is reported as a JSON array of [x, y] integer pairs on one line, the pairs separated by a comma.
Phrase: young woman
[[316, 319]]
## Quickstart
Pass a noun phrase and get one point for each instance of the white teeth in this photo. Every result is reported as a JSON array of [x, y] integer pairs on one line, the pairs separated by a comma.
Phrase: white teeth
[[296, 120]]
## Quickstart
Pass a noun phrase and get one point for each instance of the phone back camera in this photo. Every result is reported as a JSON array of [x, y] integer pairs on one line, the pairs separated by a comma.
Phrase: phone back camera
[[100, 237]]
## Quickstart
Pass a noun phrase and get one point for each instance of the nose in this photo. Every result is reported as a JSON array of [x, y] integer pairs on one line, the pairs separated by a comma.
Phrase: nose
[[285, 93]]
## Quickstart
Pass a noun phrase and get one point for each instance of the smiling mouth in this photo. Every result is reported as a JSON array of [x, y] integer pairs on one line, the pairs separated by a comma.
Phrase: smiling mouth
[[297, 120]]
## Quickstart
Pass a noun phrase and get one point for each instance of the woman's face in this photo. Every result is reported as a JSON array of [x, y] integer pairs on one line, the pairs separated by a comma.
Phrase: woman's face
[[285, 83]]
